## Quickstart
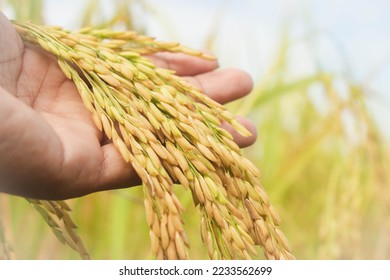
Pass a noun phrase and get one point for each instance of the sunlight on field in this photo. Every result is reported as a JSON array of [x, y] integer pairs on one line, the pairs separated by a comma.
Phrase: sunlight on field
[[322, 148]]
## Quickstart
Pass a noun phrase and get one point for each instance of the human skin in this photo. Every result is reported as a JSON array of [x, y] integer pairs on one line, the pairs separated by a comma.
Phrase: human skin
[[49, 146]]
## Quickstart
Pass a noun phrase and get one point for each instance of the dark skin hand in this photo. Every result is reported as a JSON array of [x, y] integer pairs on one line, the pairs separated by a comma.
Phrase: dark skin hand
[[49, 146]]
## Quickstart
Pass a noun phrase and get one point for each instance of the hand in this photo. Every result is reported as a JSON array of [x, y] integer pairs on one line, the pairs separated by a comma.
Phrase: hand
[[49, 145]]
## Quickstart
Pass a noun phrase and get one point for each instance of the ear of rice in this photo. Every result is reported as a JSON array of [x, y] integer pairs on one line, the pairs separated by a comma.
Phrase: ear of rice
[[55, 214], [170, 132]]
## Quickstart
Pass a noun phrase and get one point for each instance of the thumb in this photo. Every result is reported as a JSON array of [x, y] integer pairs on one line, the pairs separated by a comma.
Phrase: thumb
[[11, 51]]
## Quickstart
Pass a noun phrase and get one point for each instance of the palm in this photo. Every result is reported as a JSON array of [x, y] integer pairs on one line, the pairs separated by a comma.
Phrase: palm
[[55, 98], [79, 164]]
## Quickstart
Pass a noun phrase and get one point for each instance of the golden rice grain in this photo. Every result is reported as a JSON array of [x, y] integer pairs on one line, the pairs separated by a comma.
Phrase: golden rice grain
[[180, 247], [170, 132]]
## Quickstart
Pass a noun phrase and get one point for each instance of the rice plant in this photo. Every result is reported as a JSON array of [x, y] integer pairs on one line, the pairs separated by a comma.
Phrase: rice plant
[[324, 168]]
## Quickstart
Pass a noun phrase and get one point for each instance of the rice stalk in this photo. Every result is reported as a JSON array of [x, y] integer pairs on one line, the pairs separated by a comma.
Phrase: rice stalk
[[27, 10], [170, 132], [55, 214]]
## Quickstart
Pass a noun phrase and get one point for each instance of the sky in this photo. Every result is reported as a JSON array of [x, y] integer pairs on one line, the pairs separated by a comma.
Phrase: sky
[[351, 37]]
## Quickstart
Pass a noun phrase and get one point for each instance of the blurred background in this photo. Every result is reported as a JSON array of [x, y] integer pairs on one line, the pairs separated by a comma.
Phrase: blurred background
[[321, 104]]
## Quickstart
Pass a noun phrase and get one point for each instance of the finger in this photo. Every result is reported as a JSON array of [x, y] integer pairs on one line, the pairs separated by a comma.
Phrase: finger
[[184, 65], [10, 42], [115, 172], [241, 140], [223, 85], [10, 55]]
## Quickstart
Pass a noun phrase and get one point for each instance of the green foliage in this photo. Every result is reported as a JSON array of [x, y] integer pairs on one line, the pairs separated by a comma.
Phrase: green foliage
[[27, 10], [324, 168]]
